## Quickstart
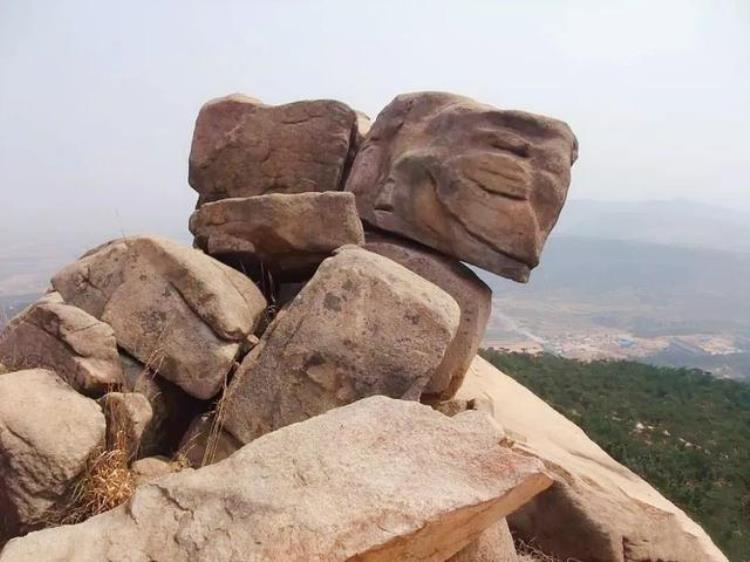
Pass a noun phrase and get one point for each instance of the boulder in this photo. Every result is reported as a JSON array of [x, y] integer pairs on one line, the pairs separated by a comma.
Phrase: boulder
[[398, 482], [47, 433], [206, 442], [363, 325], [474, 182], [172, 408], [128, 417], [493, 545], [151, 468], [289, 233], [242, 147], [474, 298], [597, 510], [168, 305], [55, 335]]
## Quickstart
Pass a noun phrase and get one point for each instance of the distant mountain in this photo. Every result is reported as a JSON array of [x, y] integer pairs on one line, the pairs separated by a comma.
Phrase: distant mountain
[[676, 223]]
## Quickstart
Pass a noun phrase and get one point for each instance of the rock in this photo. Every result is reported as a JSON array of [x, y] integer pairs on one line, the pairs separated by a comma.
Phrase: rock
[[242, 147], [58, 336], [168, 305], [47, 432], [374, 492], [151, 468], [474, 298], [597, 510], [493, 545], [205, 442], [128, 418], [172, 408], [3, 369], [291, 234], [480, 184], [363, 325]]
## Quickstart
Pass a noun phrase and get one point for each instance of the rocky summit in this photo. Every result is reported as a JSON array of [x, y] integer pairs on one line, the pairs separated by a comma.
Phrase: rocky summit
[[302, 384]]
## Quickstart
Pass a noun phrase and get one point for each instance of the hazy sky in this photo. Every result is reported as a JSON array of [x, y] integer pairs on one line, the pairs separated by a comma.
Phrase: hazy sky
[[98, 99]]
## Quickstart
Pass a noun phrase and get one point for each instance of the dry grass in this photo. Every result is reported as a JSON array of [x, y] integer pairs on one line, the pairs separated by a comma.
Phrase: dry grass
[[528, 552], [105, 483]]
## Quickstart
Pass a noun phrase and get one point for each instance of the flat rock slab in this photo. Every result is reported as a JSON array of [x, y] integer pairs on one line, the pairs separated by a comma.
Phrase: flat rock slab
[[242, 147], [597, 509], [363, 325], [47, 432], [54, 335], [472, 181], [473, 296], [378, 480], [170, 307], [291, 234]]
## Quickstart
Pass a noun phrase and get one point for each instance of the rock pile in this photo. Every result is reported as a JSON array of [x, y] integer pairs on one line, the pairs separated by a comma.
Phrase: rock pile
[[306, 350]]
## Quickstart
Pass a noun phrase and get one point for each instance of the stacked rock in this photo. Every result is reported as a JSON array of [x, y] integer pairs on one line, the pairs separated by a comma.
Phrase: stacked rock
[[327, 295]]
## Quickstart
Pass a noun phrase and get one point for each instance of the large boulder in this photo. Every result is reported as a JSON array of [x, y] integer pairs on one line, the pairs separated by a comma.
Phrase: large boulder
[[477, 183], [493, 545], [378, 480], [55, 335], [168, 305], [47, 433], [242, 147], [474, 298], [363, 325], [289, 233], [597, 510]]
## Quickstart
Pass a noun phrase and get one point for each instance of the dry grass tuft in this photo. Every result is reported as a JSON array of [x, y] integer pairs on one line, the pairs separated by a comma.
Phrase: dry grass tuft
[[528, 552], [105, 483]]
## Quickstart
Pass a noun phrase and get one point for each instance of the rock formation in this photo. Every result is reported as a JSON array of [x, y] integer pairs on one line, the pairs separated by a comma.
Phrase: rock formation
[[54, 335], [47, 432], [370, 493], [597, 509], [259, 396], [477, 183], [363, 325], [167, 304], [242, 147], [291, 234]]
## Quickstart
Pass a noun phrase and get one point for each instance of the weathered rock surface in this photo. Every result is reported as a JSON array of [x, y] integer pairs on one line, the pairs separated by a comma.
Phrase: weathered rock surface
[[242, 147], [151, 468], [474, 182], [206, 442], [168, 305], [128, 418], [474, 298], [493, 545], [363, 325], [289, 233], [47, 432], [54, 335], [368, 494], [597, 510]]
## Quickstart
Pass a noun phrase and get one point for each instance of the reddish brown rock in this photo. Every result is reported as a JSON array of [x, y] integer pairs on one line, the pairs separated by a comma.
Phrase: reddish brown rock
[[493, 545], [242, 147], [289, 233], [474, 182], [474, 298]]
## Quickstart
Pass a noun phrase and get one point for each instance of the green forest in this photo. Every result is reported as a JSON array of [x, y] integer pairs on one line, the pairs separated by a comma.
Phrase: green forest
[[693, 443]]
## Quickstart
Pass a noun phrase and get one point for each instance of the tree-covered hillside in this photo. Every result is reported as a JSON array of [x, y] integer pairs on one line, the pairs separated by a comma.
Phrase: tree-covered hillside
[[684, 431]]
